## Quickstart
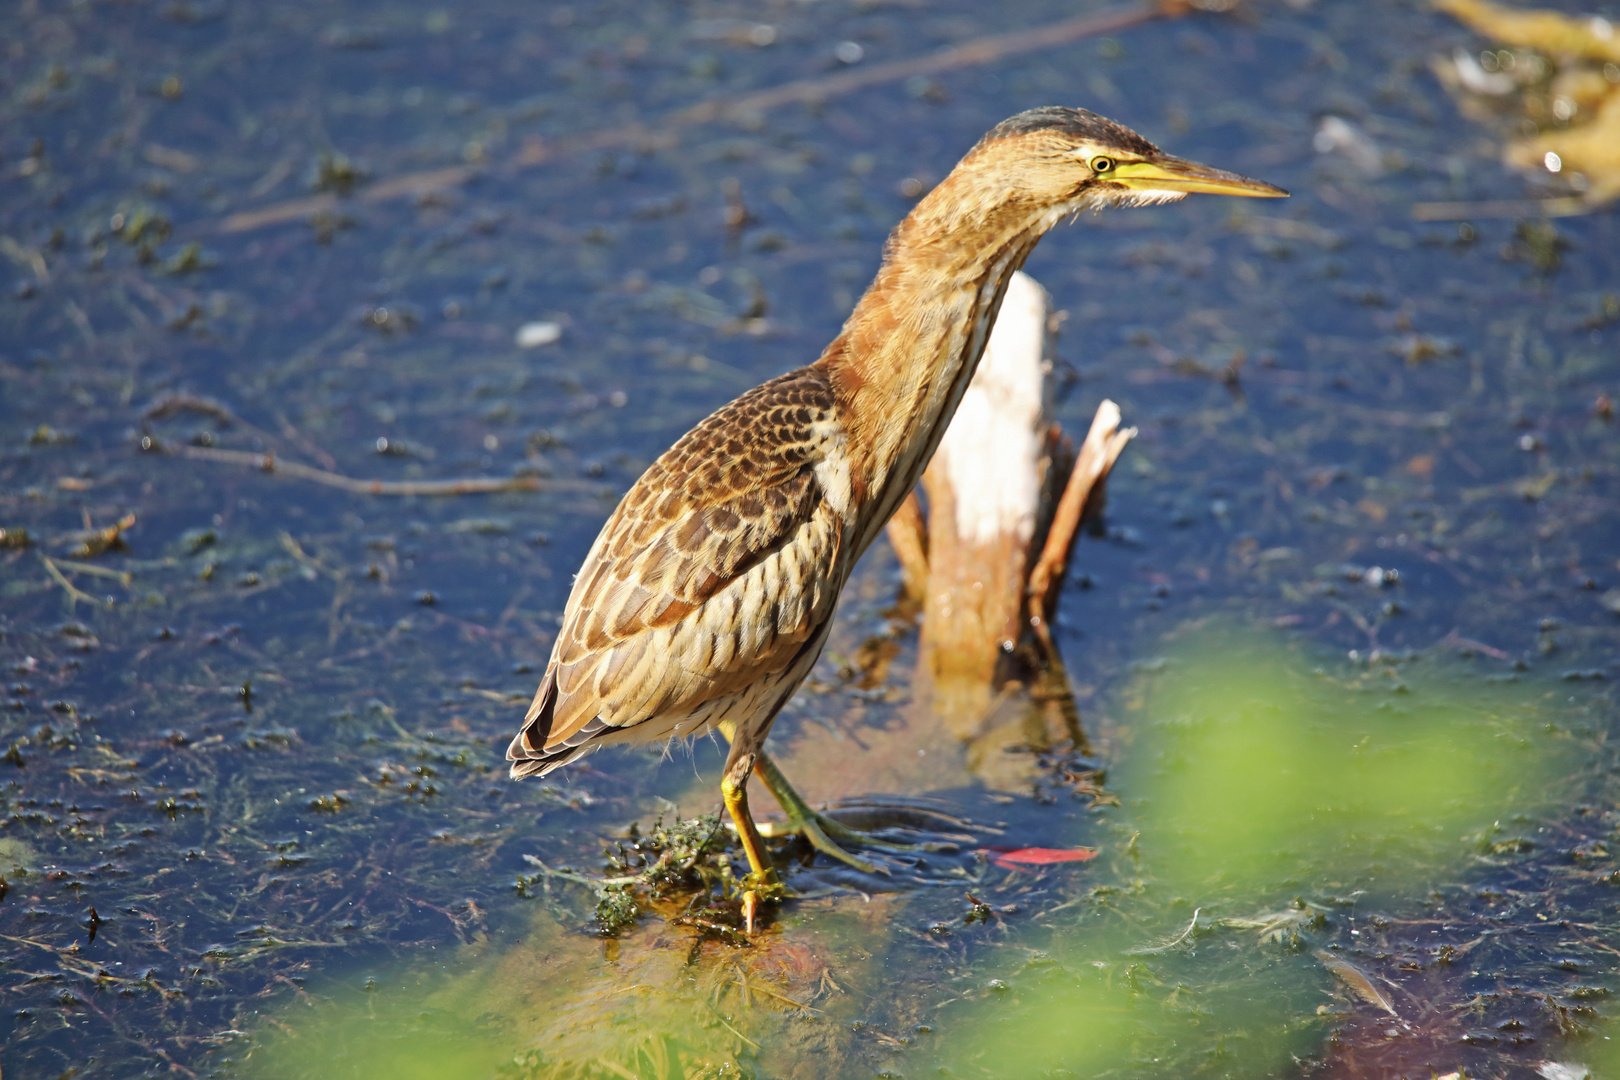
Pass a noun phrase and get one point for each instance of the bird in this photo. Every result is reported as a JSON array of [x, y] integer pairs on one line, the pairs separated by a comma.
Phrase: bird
[[708, 595]]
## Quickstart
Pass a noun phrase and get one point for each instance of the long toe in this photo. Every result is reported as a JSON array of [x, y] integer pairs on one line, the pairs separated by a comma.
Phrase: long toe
[[814, 828], [834, 838], [837, 830]]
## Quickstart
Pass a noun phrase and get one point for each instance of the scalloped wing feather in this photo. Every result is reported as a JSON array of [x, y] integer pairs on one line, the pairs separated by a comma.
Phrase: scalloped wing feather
[[716, 568]]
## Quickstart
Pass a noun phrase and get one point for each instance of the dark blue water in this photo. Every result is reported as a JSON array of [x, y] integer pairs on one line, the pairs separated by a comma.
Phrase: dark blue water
[[261, 740]]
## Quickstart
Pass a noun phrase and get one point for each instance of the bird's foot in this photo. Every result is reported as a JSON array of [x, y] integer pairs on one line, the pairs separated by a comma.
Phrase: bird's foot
[[826, 834], [833, 838], [755, 892]]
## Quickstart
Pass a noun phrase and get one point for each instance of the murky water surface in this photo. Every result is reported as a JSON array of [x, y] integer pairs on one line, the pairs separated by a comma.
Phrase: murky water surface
[[1347, 652]]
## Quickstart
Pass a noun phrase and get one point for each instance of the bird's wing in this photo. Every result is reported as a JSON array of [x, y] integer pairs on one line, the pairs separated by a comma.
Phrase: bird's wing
[[713, 571]]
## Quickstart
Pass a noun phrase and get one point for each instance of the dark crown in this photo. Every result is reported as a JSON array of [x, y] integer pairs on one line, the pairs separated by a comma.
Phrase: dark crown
[[1075, 123]]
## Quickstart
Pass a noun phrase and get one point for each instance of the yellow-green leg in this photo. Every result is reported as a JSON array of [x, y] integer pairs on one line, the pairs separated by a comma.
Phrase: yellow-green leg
[[735, 794], [734, 791]]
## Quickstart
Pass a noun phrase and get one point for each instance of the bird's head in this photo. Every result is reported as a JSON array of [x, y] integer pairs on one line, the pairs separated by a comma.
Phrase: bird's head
[[1063, 160]]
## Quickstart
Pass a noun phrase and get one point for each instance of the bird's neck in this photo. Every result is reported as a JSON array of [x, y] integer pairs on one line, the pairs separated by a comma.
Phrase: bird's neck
[[909, 349]]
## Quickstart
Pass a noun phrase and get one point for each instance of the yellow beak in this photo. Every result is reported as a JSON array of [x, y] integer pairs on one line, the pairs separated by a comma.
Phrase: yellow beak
[[1174, 174]]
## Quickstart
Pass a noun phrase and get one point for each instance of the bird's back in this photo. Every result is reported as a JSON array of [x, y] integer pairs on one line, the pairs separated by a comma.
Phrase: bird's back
[[718, 570]]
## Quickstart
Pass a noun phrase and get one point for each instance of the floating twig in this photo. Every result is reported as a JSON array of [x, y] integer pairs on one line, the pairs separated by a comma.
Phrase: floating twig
[[271, 464], [410, 185], [74, 594], [1166, 946], [172, 404], [581, 879], [123, 577], [93, 542], [1356, 980], [1457, 641], [1568, 206], [974, 53]]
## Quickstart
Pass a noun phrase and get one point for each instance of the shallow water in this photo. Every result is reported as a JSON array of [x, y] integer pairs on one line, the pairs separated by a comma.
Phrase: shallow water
[[256, 820]]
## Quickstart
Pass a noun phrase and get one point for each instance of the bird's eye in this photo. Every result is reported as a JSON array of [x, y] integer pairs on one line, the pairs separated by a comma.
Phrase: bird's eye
[[1102, 164]]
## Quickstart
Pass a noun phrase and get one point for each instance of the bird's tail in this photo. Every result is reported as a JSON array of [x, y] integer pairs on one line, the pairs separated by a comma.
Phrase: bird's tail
[[527, 753]]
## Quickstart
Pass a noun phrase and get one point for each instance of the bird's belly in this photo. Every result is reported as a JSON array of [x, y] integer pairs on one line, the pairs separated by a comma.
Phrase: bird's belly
[[750, 708]]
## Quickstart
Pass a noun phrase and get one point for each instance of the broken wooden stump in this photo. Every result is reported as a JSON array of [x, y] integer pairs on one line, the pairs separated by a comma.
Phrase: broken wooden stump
[[1006, 497]]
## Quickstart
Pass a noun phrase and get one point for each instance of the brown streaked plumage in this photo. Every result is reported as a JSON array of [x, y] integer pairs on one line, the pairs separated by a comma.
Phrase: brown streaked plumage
[[708, 595]]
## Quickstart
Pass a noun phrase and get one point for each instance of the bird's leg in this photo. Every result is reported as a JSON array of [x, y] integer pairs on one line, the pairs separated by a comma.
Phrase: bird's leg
[[734, 790]]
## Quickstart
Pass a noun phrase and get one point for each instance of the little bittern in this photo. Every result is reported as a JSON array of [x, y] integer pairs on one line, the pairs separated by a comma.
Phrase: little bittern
[[708, 595]]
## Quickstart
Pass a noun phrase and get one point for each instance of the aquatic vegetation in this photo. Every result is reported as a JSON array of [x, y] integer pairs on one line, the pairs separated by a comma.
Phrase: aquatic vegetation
[[1258, 771], [1253, 778], [684, 867]]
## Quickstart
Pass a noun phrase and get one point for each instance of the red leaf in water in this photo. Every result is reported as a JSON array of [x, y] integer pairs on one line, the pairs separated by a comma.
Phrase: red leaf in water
[[1040, 856]]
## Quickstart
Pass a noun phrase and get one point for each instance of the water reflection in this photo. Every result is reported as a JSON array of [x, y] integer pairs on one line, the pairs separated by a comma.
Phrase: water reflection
[[660, 1003]]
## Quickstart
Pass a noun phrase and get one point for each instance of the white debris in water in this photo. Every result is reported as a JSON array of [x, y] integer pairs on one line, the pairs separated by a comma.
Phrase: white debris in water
[[1336, 135], [1474, 76], [1561, 1070], [535, 334]]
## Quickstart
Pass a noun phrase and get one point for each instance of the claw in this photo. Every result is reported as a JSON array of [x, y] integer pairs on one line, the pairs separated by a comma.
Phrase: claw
[[750, 906]]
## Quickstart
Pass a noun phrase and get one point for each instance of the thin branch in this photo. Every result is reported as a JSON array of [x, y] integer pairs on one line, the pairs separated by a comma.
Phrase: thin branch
[[1457, 641], [123, 577], [801, 91], [467, 486], [170, 405], [411, 185], [1501, 208], [983, 51], [581, 879], [1103, 445]]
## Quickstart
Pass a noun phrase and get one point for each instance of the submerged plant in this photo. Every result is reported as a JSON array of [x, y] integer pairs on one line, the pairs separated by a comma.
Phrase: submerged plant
[[681, 868]]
